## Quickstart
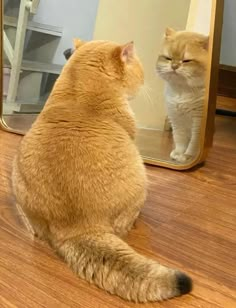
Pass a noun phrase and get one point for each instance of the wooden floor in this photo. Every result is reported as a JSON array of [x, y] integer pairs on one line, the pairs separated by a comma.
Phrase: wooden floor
[[226, 103], [189, 222]]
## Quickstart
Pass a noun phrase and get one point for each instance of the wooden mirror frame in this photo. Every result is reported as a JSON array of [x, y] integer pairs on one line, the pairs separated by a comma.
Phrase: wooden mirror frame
[[207, 130]]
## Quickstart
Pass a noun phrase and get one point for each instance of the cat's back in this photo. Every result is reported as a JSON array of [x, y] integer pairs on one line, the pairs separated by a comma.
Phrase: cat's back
[[63, 157], [82, 144]]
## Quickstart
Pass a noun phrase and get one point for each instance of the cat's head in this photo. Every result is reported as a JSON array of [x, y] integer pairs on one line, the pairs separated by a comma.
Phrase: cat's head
[[112, 64], [183, 58]]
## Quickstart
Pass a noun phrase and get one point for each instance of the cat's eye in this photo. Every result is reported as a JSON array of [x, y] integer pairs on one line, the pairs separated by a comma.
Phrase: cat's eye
[[167, 58], [187, 61]]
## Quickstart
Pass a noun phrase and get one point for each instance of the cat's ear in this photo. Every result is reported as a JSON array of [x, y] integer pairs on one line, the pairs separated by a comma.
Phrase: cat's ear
[[169, 32], [127, 52], [78, 43]]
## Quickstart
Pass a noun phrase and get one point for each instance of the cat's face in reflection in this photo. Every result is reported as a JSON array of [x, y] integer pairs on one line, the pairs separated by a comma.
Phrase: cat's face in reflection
[[183, 58]]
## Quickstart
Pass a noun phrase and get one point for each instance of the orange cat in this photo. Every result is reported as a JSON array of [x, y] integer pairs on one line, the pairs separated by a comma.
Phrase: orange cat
[[182, 64], [79, 177]]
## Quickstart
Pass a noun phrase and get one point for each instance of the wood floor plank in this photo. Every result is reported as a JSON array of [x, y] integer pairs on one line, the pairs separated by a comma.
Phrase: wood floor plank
[[189, 222]]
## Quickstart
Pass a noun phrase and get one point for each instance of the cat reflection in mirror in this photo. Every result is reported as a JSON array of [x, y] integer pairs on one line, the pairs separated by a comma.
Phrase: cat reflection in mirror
[[80, 179], [182, 65]]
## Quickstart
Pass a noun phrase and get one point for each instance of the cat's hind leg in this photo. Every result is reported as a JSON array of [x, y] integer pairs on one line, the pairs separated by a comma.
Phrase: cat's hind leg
[[126, 219]]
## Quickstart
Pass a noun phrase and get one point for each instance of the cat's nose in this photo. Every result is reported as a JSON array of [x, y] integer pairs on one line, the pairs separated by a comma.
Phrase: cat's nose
[[175, 66]]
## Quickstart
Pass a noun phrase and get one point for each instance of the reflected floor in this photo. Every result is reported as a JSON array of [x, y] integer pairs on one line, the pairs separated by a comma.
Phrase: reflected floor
[[20, 122], [152, 143], [155, 144]]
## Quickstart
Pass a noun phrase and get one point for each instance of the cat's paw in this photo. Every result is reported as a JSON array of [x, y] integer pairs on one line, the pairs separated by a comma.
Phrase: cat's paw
[[183, 158], [180, 157], [175, 154]]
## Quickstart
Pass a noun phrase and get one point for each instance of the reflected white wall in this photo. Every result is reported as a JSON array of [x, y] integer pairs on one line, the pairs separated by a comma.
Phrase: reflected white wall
[[144, 22]]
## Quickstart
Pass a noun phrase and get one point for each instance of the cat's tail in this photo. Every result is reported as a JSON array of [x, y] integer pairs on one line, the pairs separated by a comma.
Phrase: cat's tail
[[108, 262]]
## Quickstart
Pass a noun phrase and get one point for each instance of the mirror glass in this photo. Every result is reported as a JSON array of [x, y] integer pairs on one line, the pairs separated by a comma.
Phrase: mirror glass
[[170, 103]]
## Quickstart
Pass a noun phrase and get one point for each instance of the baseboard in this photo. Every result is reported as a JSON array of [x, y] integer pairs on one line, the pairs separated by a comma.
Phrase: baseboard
[[227, 81]]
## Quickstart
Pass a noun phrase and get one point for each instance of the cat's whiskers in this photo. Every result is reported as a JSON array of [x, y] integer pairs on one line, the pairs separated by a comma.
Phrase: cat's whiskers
[[145, 91]]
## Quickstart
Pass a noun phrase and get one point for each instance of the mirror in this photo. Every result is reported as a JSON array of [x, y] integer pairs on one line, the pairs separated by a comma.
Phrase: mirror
[[174, 117]]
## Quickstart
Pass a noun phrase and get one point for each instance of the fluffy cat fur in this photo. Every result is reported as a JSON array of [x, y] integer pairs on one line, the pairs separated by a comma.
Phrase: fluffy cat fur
[[79, 177], [182, 64]]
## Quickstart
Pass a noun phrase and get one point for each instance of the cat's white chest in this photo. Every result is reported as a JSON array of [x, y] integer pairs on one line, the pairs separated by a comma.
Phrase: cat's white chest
[[183, 101], [178, 102]]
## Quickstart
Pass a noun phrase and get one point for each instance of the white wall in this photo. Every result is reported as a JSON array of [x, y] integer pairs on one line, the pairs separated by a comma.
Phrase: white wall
[[199, 18], [76, 17], [228, 44], [143, 21]]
